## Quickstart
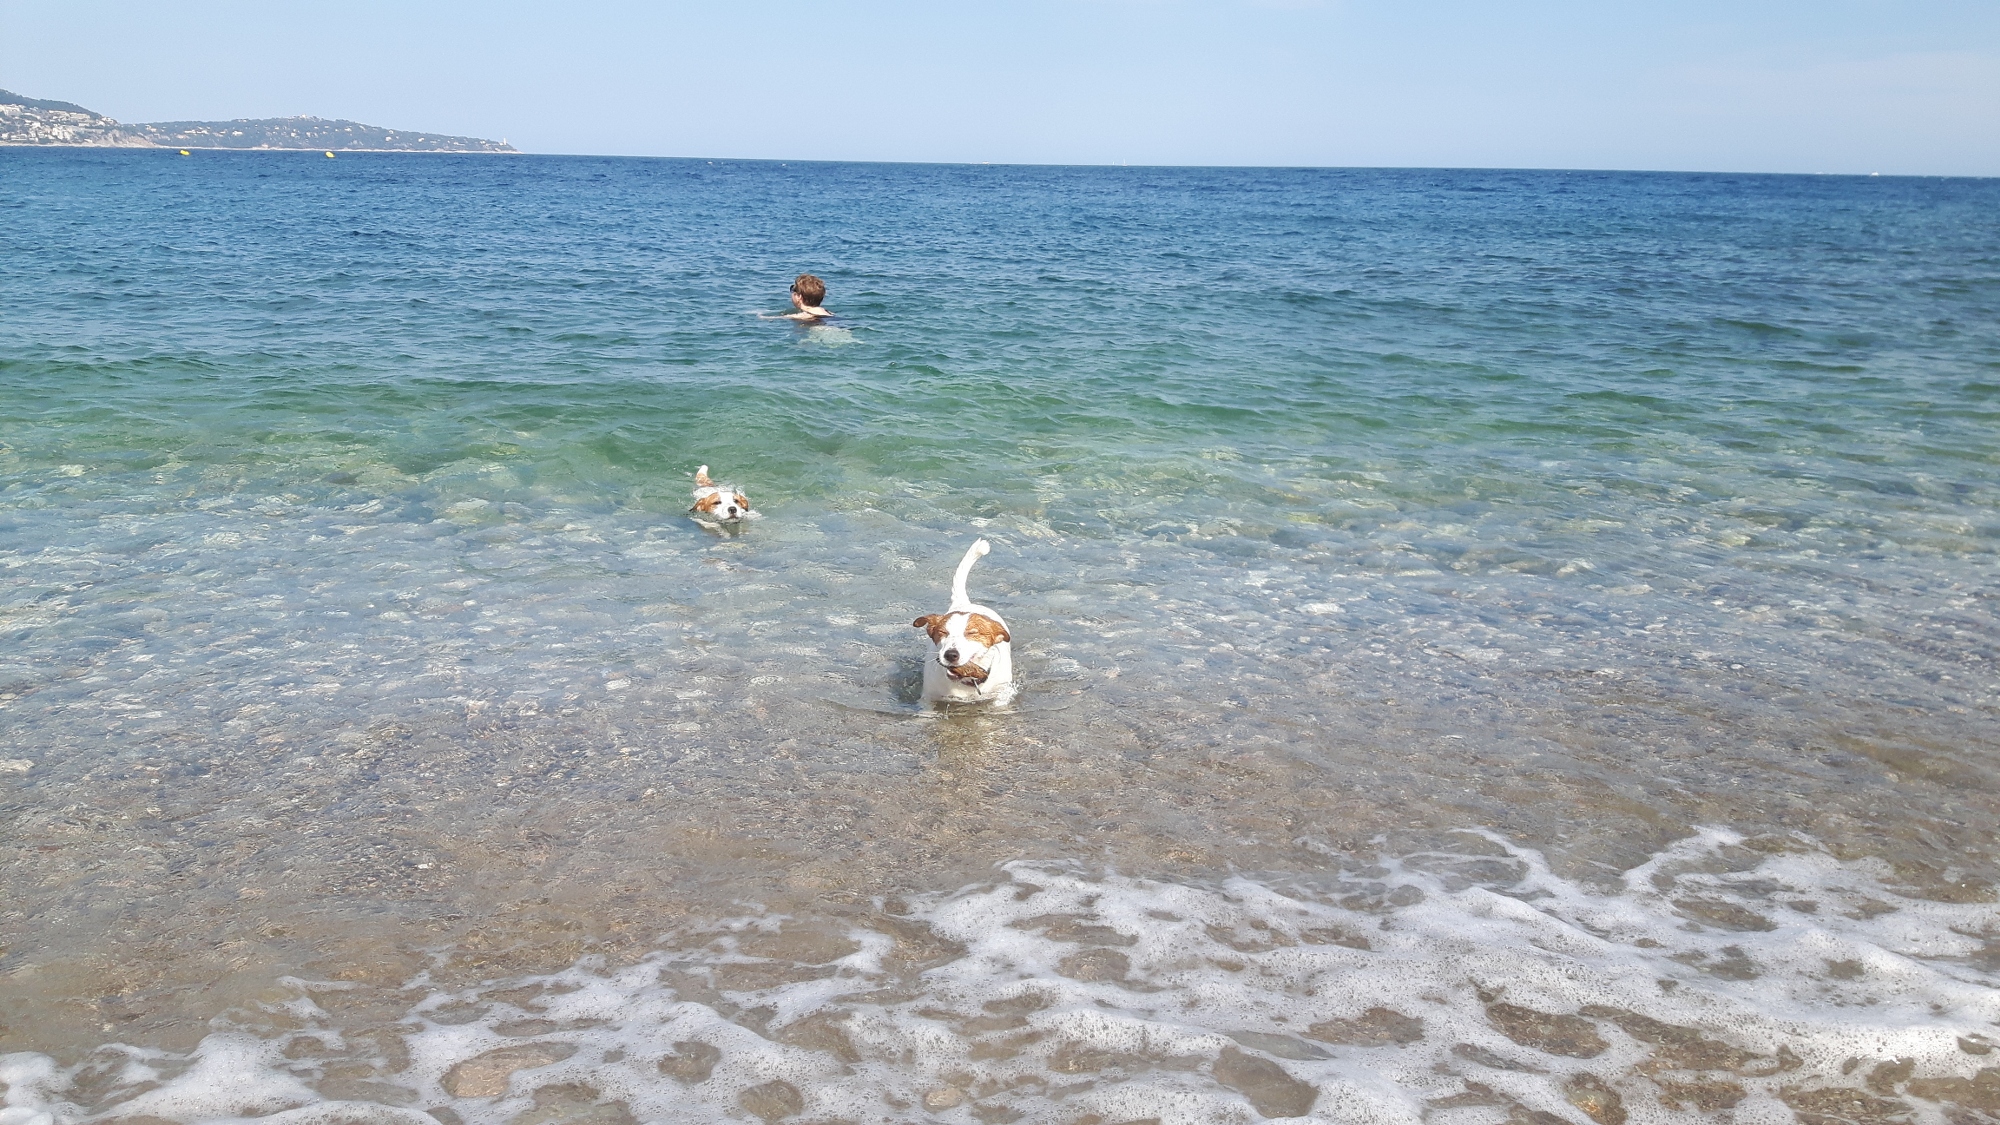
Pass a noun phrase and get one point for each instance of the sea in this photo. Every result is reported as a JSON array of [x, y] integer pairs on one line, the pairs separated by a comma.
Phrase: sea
[[1492, 646]]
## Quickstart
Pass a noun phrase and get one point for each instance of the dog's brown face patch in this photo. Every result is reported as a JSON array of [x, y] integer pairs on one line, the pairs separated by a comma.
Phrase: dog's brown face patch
[[742, 501], [932, 623], [708, 503], [985, 630]]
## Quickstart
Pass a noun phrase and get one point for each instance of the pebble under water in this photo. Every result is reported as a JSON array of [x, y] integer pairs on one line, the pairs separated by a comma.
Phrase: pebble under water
[[1493, 646]]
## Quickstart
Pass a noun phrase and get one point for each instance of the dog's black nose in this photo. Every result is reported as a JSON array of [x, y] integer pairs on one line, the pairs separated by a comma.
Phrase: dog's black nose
[[951, 656]]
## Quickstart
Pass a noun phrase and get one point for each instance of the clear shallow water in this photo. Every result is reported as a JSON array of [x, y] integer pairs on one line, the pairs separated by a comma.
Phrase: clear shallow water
[[353, 631]]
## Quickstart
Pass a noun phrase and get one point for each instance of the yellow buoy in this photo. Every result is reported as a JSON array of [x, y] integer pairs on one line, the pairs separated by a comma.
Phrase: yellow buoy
[[329, 156], [184, 152]]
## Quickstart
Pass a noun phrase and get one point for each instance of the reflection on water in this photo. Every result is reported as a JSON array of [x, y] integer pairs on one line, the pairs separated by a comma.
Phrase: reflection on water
[[828, 336], [320, 676], [434, 734]]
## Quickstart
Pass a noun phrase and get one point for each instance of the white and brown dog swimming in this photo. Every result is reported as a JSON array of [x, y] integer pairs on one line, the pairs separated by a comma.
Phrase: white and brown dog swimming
[[972, 659], [718, 506]]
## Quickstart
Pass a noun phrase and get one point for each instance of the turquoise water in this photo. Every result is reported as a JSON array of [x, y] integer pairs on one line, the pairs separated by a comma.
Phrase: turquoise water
[[353, 627]]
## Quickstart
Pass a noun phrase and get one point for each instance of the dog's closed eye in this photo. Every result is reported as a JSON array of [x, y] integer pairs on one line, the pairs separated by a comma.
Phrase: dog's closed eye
[[985, 630], [932, 623]]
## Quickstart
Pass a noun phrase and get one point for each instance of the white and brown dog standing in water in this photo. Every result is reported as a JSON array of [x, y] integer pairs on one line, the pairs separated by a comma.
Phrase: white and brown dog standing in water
[[972, 659], [717, 506]]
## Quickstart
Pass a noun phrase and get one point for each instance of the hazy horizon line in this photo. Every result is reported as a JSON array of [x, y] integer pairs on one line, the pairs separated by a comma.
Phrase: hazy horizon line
[[1028, 163]]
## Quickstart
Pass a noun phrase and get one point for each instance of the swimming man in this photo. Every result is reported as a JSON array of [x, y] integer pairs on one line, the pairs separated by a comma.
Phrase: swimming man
[[807, 292]]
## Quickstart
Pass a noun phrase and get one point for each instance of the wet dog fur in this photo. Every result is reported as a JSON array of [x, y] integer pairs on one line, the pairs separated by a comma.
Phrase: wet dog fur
[[972, 658], [717, 505]]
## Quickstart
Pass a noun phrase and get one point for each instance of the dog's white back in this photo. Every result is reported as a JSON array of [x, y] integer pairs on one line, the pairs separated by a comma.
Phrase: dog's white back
[[971, 658]]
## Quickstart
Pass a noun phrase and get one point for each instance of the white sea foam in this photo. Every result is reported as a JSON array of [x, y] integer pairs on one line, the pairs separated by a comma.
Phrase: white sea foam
[[1437, 987]]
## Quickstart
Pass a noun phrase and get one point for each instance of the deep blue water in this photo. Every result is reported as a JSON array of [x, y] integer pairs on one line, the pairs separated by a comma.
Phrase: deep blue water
[[341, 516]]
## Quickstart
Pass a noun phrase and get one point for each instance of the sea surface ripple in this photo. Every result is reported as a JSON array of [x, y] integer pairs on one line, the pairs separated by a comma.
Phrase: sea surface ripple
[[1617, 546]]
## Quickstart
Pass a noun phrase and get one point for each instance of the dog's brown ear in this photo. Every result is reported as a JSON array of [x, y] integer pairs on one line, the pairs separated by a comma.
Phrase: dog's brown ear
[[924, 622], [743, 501]]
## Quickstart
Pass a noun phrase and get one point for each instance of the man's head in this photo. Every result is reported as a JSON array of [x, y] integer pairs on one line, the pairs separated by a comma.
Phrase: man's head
[[809, 290]]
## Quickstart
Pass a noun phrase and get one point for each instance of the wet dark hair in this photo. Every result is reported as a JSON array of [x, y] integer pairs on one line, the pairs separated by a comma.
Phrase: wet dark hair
[[810, 289]]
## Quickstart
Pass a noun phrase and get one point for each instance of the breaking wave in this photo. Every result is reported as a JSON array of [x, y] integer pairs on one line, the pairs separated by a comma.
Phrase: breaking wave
[[1762, 976]]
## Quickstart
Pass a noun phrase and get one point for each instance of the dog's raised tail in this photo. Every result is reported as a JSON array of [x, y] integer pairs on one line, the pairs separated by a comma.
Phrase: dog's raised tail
[[959, 599], [701, 478]]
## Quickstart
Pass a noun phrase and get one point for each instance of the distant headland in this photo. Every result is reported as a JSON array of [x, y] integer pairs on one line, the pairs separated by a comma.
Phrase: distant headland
[[33, 121]]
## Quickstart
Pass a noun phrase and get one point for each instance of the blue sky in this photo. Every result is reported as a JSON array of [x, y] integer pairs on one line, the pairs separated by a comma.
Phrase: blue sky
[[1835, 86]]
